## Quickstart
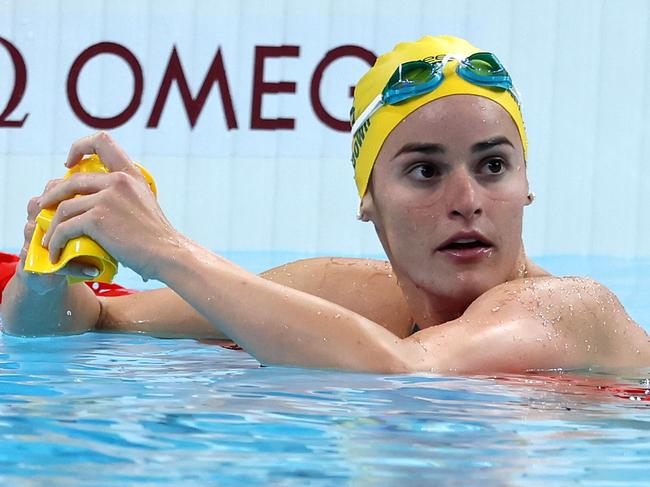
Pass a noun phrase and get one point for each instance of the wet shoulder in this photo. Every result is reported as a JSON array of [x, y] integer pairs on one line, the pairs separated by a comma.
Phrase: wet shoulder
[[551, 297], [366, 286], [570, 312]]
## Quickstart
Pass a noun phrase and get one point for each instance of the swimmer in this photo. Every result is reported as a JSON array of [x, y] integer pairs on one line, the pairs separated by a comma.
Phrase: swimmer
[[440, 157]]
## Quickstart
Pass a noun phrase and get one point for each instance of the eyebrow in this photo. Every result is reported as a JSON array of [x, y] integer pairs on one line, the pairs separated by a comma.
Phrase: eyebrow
[[421, 147], [490, 143]]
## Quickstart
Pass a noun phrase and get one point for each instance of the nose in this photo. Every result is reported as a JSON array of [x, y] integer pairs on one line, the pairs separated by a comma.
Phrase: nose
[[463, 198]]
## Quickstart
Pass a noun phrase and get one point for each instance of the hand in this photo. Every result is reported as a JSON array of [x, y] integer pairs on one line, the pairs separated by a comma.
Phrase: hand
[[118, 210]]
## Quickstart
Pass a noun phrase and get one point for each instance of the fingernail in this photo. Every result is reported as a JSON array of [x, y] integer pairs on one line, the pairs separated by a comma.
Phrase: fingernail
[[90, 271]]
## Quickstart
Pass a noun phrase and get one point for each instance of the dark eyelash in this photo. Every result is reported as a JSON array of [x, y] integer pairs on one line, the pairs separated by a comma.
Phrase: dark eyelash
[[424, 165], [500, 160]]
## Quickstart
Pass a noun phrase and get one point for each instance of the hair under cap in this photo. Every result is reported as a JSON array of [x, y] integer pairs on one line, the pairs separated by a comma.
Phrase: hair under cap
[[368, 140]]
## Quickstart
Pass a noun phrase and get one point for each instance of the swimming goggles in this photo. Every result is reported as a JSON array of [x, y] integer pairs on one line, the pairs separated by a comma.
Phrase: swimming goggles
[[415, 78]]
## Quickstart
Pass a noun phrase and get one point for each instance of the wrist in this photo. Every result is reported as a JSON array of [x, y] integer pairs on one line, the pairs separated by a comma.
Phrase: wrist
[[170, 257], [185, 263]]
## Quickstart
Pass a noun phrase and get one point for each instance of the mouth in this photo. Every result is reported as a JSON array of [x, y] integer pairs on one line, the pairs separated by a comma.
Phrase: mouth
[[467, 246]]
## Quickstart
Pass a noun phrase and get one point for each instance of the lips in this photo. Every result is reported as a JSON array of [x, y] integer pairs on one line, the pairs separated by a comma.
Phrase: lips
[[466, 246]]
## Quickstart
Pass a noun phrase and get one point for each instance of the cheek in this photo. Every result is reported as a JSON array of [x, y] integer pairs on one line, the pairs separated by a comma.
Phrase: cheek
[[507, 218], [411, 233], [403, 227], [511, 196]]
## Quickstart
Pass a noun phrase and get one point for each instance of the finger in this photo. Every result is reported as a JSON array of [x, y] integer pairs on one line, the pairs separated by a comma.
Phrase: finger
[[33, 207], [66, 231], [28, 232], [102, 144], [80, 183], [69, 209], [51, 183]]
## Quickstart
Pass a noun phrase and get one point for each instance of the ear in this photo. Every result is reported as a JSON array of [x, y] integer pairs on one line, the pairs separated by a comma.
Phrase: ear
[[366, 207], [530, 198]]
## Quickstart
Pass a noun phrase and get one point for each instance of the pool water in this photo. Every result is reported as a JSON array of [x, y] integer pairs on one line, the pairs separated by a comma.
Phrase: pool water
[[102, 409]]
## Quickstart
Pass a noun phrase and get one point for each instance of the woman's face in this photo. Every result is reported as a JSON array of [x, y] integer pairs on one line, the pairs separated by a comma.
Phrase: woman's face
[[447, 195]]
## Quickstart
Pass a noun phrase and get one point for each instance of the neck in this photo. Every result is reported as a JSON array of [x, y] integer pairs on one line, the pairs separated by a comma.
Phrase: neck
[[430, 308]]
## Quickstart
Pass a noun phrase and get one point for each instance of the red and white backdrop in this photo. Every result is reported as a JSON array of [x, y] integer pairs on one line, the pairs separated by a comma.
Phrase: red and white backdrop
[[239, 109]]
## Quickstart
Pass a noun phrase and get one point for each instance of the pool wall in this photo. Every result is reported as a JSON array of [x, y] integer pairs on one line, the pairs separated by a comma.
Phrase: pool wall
[[257, 166]]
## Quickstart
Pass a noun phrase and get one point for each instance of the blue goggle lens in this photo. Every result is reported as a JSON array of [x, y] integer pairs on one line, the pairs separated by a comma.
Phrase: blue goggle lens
[[484, 69], [412, 79]]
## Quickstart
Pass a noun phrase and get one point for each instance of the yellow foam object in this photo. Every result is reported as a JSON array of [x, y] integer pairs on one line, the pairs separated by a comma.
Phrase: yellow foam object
[[81, 250], [368, 140]]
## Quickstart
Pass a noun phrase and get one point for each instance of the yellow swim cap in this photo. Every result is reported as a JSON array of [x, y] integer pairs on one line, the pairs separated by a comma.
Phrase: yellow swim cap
[[368, 140]]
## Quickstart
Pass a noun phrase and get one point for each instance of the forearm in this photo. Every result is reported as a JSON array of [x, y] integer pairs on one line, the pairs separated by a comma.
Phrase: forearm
[[275, 323], [160, 312], [60, 311]]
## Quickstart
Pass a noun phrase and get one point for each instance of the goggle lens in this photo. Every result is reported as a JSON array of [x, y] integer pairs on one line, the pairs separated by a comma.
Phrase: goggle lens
[[483, 68], [411, 79], [484, 63]]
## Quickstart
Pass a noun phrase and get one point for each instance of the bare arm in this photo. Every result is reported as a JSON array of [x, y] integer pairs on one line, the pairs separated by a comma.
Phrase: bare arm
[[36, 304], [365, 286], [59, 310], [275, 323]]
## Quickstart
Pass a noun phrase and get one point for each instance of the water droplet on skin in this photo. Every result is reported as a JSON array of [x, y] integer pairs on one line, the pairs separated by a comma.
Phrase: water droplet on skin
[[495, 309], [337, 316]]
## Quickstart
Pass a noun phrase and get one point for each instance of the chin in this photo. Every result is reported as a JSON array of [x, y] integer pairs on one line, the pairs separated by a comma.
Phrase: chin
[[464, 286]]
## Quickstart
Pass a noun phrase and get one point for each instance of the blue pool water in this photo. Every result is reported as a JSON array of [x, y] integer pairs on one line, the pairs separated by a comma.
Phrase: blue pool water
[[116, 410]]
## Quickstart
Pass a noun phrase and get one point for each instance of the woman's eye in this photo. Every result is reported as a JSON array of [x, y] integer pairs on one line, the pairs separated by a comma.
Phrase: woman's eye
[[424, 171], [494, 166]]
